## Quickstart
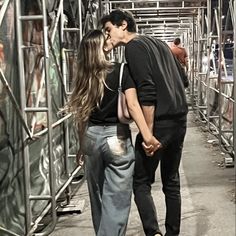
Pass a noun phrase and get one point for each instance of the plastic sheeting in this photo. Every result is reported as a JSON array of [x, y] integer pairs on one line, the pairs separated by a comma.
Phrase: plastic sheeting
[[12, 196]]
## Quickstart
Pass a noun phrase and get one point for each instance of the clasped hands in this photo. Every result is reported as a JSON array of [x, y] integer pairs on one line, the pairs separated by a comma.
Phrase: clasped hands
[[151, 146]]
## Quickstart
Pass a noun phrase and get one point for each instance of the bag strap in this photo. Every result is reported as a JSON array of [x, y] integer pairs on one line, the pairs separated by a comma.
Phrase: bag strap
[[121, 76]]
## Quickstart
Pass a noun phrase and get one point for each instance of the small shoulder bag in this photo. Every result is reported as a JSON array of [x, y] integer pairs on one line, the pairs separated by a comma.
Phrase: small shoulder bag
[[122, 108]]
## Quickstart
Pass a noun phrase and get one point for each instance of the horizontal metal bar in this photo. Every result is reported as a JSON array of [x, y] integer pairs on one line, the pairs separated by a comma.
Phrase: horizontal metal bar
[[27, 47], [227, 131], [149, 25], [69, 50], [213, 77], [32, 17], [36, 109], [202, 107], [179, 19], [41, 197], [163, 28], [163, 8], [153, 1], [213, 116], [227, 82], [71, 155], [71, 29]]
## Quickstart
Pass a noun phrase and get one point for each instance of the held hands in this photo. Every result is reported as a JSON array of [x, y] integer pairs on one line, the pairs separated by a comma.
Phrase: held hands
[[151, 146]]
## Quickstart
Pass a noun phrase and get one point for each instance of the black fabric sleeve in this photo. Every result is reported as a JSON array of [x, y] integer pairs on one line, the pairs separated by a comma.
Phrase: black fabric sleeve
[[127, 81], [139, 64]]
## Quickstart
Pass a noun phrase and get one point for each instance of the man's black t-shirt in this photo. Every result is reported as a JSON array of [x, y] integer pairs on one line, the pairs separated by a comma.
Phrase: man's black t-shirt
[[107, 112], [153, 68]]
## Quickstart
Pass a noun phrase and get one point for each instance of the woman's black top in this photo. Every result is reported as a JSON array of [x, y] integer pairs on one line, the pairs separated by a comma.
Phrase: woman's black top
[[107, 112]]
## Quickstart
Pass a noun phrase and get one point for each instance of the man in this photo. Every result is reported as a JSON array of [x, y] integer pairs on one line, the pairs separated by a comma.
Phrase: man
[[162, 97], [180, 53]]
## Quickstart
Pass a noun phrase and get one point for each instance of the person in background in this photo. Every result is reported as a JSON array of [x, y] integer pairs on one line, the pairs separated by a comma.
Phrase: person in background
[[104, 141], [162, 97], [180, 53]]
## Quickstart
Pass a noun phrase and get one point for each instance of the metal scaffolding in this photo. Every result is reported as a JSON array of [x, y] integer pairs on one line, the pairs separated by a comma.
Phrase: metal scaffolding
[[200, 26], [215, 77], [27, 110], [204, 31]]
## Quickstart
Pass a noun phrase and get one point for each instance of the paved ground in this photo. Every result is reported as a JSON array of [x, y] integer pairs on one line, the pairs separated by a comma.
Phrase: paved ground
[[208, 194]]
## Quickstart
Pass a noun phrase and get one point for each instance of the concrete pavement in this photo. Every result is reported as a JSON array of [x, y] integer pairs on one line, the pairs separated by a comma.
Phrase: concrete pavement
[[208, 194]]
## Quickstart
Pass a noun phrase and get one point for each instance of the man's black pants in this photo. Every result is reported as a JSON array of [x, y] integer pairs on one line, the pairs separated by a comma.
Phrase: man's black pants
[[171, 135]]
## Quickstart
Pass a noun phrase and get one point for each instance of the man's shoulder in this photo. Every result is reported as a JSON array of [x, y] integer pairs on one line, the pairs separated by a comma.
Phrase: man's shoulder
[[174, 47], [182, 48], [178, 50]]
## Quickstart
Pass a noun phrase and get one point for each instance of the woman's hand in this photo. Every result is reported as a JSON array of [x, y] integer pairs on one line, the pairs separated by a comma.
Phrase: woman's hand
[[151, 146], [80, 158]]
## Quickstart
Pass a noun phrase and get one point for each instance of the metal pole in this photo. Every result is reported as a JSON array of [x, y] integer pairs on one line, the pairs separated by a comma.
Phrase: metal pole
[[193, 62], [220, 52], [80, 20], [49, 115], [234, 76], [199, 59], [25, 148], [208, 60]]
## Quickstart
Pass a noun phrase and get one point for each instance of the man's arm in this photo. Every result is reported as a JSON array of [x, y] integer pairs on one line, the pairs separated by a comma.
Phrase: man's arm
[[135, 110], [148, 112]]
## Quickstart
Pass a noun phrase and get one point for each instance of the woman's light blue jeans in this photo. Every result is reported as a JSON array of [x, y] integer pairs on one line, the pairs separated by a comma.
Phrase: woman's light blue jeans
[[109, 164]]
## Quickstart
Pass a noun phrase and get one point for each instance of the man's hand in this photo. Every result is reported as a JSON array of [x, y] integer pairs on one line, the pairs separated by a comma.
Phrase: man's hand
[[152, 146]]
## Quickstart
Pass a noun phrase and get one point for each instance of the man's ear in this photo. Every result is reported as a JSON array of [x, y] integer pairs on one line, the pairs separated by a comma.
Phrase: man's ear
[[124, 25]]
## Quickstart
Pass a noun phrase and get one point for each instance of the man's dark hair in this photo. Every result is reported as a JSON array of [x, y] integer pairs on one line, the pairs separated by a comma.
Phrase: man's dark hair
[[177, 41], [116, 17]]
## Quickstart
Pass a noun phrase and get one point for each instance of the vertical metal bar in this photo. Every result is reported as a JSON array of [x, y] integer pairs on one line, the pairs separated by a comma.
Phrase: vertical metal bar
[[232, 11], [208, 60], [199, 37], [234, 76], [220, 67], [193, 62], [65, 75], [59, 13], [80, 19], [25, 149], [49, 115]]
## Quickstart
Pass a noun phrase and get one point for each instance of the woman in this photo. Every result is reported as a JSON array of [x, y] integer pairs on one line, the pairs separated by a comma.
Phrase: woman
[[106, 143]]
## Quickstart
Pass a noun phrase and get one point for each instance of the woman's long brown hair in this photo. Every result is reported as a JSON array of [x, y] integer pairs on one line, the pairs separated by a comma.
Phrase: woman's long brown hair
[[88, 86]]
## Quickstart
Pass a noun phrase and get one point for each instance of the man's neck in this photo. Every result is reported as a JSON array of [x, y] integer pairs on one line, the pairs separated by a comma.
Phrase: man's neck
[[130, 36]]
